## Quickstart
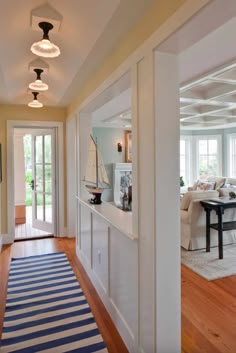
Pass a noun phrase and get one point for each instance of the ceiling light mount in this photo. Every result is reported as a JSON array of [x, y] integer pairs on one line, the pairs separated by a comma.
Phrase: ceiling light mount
[[45, 48], [38, 64], [46, 27], [38, 73], [35, 103]]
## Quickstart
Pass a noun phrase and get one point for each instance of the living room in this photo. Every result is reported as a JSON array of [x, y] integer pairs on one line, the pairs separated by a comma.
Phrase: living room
[[207, 165]]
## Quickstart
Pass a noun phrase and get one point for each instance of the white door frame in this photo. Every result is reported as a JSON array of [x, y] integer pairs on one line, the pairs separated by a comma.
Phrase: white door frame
[[59, 170]]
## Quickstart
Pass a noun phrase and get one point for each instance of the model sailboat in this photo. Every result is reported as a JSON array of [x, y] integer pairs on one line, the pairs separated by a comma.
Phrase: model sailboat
[[95, 173]]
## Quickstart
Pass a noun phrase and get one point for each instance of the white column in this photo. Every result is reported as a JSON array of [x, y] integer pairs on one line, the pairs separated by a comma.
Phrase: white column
[[166, 93], [156, 191], [144, 196]]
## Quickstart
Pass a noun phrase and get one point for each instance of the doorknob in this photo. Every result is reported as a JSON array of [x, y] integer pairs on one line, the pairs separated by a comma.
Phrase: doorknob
[[32, 184]]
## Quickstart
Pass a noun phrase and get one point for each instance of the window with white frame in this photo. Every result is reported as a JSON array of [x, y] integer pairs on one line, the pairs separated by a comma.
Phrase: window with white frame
[[232, 155], [185, 158], [208, 153]]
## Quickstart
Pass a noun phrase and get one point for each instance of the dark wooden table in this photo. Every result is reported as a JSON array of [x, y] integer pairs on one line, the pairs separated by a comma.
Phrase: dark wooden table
[[218, 207]]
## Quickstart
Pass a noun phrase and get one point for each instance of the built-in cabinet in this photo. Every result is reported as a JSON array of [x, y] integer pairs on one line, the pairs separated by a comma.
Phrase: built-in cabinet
[[109, 254]]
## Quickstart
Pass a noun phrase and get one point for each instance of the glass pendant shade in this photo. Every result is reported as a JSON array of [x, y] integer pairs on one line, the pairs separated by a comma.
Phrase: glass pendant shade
[[35, 103], [44, 47], [38, 84]]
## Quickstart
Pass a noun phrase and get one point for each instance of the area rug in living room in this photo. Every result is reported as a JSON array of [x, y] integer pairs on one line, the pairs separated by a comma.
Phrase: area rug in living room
[[46, 310], [208, 265]]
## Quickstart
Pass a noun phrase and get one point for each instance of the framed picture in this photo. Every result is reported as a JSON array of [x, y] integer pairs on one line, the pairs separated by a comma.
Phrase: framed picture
[[128, 146]]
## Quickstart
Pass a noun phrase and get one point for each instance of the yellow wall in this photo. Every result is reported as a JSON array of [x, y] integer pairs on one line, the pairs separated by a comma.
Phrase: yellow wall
[[155, 16], [19, 112]]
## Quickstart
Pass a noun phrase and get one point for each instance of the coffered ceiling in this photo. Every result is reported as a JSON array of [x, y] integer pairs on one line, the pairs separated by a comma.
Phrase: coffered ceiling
[[88, 31], [210, 101]]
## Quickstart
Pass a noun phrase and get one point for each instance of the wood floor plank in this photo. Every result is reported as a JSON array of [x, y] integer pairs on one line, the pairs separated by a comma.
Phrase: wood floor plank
[[210, 311]]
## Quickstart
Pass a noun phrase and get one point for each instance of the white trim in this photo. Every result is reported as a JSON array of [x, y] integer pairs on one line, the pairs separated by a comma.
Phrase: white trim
[[188, 154], [228, 154], [11, 124]]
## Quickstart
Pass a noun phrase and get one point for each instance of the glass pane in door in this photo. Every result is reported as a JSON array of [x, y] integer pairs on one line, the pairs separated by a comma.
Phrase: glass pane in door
[[39, 149], [48, 148], [39, 178], [39, 206], [48, 208]]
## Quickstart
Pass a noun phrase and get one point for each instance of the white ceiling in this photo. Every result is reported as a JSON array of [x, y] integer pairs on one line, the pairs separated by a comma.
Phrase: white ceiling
[[116, 113], [89, 30]]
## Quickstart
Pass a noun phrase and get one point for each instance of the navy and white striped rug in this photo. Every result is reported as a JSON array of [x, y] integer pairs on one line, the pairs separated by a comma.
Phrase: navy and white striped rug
[[46, 310]]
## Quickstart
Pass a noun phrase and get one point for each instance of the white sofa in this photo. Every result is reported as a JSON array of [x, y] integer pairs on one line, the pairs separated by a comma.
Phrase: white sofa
[[193, 220]]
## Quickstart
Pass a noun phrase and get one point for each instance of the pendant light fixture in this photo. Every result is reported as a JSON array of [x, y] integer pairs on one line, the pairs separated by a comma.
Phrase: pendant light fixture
[[44, 47], [38, 84], [35, 103]]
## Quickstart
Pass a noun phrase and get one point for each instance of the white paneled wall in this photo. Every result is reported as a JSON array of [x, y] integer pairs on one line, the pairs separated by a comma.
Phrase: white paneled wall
[[100, 251], [124, 277], [111, 260], [86, 233]]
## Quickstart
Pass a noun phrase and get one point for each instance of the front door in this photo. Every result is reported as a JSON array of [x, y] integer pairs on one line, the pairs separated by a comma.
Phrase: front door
[[43, 180]]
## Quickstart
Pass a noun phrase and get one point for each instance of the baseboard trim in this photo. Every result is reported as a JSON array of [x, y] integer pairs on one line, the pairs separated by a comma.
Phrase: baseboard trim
[[119, 321]]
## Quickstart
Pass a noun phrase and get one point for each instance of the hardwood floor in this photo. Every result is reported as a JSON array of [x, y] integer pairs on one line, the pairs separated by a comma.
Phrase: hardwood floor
[[208, 314], [208, 308], [35, 247], [26, 231]]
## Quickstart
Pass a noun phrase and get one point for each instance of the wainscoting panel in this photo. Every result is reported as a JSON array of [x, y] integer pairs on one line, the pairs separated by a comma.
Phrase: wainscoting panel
[[124, 277], [100, 250], [85, 227]]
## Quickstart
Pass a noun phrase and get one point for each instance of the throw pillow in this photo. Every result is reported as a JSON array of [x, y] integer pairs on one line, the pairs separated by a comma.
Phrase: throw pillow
[[219, 182], [207, 186], [195, 184]]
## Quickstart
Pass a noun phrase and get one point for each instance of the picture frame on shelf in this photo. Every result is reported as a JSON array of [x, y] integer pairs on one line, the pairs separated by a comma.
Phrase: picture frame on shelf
[[128, 146]]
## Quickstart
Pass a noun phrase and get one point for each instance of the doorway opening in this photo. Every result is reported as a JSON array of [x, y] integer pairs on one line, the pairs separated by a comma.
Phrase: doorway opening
[[34, 180]]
